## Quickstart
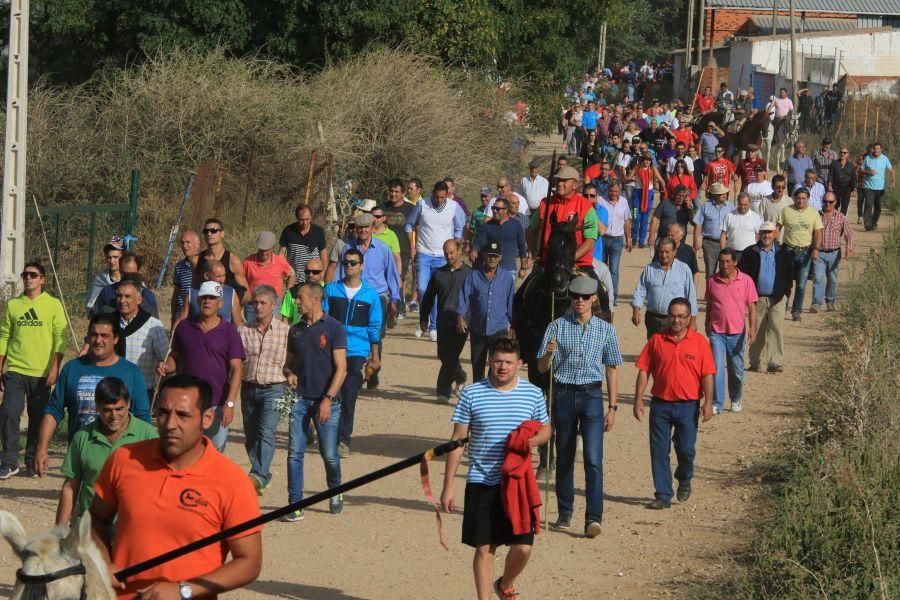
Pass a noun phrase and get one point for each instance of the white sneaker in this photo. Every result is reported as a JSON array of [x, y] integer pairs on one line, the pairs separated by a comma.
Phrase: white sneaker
[[432, 335], [735, 406], [717, 410], [418, 332]]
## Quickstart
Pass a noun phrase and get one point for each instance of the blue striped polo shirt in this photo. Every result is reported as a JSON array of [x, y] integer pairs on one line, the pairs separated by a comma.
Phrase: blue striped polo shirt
[[492, 415]]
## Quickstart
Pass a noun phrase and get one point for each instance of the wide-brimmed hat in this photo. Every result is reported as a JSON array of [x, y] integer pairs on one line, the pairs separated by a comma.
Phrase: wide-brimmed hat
[[717, 189], [567, 172]]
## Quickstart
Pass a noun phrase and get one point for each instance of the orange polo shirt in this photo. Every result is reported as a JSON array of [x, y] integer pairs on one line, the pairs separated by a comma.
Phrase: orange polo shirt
[[677, 367], [160, 509]]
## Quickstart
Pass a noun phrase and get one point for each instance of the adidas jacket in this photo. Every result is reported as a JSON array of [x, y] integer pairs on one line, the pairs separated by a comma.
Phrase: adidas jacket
[[361, 316], [31, 332]]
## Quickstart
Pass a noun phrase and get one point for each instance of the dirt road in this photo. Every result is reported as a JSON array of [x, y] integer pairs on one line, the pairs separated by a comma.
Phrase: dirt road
[[385, 546]]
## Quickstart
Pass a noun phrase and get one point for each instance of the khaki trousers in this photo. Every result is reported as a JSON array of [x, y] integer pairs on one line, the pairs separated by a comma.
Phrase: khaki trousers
[[769, 343]]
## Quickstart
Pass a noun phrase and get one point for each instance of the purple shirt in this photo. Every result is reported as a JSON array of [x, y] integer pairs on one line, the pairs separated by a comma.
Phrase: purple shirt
[[206, 355]]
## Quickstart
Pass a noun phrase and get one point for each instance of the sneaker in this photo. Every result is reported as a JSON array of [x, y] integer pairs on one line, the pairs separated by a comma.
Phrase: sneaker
[[735, 406], [684, 491], [814, 309], [432, 335], [859, 220], [419, 331], [29, 473], [292, 517], [776, 369], [659, 504], [508, 593], [592, 529], [796, 316], [401, 316], [258, 484], [562, 522], [443, 399], [717, 410], [336, 504], [343, 450], [829, 306], [7, 471], [412, 307]]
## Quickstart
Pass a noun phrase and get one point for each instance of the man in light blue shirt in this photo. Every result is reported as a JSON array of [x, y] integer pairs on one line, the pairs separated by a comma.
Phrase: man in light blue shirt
[[796, 165], [708, 221], [662, 281], [874, 166]]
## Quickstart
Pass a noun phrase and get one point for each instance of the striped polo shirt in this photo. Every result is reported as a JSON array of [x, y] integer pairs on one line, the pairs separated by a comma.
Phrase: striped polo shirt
[[492, 415]]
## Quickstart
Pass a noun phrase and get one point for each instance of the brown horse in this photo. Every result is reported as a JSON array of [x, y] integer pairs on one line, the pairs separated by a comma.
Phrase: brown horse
[[753, 131]]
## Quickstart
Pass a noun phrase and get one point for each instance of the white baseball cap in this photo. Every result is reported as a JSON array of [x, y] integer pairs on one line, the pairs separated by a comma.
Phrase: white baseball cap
[[210, 288]]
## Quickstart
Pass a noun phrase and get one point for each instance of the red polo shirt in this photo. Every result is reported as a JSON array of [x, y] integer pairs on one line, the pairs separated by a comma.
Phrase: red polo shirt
[[677, 367]]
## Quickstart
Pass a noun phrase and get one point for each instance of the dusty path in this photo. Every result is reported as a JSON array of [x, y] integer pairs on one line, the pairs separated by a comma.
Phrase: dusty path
[[385, 547]]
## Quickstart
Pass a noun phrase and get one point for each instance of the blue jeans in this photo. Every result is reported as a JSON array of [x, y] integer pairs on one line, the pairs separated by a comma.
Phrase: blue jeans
[[640, 219], [683, 418], [728, 352], [260, 423], [802, 266], [574, 411], [216, 433], [826, 270], [612, 256], [306, 410], [426, 265]]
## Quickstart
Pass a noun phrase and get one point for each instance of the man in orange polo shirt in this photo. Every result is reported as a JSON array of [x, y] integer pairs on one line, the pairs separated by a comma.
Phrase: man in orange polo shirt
[[171, 491], [681, 362]]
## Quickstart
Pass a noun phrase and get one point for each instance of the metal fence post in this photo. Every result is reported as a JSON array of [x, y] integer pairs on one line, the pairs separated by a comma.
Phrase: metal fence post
[[88, 271], [131, 222]]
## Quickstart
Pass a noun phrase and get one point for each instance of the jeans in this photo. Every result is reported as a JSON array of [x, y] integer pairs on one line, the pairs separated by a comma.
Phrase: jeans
[[306, 410], [349, 392], [449, 346], [216, 432], [478, 345], [728, 353], [575, 411], [426, 265], [570, 142], [802, 264], [871, 207], [640, 219], [612, 256], [260, 423], [826, 270], [22, 391], [664, 416]]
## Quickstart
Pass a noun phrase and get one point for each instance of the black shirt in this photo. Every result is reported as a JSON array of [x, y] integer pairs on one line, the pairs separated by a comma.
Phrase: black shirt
[[444, 287], [686, 254], [668, 213], [395, 219], [301, 248]]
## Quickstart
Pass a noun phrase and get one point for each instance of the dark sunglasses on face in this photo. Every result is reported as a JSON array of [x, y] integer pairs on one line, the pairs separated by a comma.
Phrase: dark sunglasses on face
[[828, 202], [211, 230], [31, 275], [350, 263], [313, 271], [378, 216], [591, 195], [584, 297]]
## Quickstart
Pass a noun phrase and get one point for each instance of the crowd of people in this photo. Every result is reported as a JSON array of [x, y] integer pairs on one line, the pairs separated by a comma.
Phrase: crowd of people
[[306, 319]]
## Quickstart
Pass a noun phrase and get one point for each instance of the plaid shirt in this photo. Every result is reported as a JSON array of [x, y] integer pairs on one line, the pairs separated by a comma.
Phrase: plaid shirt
[[835, 227], [266, 352], [582, 350], [146, 347]]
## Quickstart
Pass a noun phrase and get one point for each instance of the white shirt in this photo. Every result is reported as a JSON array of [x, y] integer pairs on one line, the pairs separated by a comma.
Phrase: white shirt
[[816, 193], [688, 162], [759, 190], [740, 230], [534, 190], [523, 206], [618, 214]]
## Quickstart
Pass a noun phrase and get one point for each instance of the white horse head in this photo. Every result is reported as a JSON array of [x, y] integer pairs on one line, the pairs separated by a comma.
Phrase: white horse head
[[69, 553]]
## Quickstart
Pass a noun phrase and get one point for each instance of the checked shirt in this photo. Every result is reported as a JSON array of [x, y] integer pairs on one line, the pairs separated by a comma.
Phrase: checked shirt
[[582, 350]]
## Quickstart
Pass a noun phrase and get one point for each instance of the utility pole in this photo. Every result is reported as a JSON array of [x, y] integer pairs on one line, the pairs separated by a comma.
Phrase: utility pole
[[601, 51], [689, 44], [794, 67], [12, 213], [774, 17]]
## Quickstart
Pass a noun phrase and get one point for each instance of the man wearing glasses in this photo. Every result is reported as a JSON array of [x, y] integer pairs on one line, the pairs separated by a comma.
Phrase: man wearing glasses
[[681, 362], [584, 351], [720, 170], [504, 190], [380, 231], [32, 343], [842, 179], [315, 273], [214, 233], [508, 234], [834, 228]]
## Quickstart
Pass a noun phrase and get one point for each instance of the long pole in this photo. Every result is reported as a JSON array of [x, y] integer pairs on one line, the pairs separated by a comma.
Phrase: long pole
[[601, 53], [794, 68], [701, 33], [173, 233], [444, 448], [774, 16], [59, 288], [689, 43]]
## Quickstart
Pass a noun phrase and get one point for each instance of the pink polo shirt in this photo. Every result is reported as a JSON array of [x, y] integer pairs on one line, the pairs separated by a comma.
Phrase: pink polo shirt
[[272, 274], [727, 303]]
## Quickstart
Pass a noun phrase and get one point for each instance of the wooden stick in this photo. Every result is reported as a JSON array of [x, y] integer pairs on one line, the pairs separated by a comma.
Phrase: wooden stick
[[854, 116], [309, 177], [877, 116], [866, 119]]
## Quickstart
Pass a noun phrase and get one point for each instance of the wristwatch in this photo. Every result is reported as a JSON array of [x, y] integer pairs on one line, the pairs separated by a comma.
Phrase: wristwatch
[[614, 407], [229, 404], [329, 397], [187, 592]]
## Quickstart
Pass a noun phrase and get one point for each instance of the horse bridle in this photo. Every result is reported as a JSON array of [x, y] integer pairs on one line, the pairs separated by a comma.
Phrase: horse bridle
[[46, 578]]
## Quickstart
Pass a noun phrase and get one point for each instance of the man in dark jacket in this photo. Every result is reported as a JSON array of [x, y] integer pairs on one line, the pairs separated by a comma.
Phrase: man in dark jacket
[[444, 289], [770, 266], [842, 180]]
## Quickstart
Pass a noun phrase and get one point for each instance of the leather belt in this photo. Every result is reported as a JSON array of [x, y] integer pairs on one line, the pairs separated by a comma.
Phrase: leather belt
[[578, 387]]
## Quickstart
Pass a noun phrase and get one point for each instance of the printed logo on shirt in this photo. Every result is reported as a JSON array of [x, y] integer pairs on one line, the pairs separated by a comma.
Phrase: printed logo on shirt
[[689, 356], [84, 398], [29, 319], [191, 498], [322, 341]]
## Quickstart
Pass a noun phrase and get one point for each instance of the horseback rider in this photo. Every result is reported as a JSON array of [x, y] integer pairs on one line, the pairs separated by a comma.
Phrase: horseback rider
[[567, 205], [725, 103]]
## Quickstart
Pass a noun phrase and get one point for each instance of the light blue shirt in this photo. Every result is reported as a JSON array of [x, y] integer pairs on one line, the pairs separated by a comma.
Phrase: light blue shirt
[[582, 350], [379, 268], [796, 168], [660, 286], [485, 304], [765, 282], [710, 218], [880, 165]]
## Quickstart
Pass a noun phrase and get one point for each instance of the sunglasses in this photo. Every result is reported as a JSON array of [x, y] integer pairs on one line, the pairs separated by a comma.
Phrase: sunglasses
[[499, 207], [844, 152], [828, 202], [349, 263], [378, 216], [31, 275], [584, 297], [591, 195], [313, 271], [211, 230], [680, 317]]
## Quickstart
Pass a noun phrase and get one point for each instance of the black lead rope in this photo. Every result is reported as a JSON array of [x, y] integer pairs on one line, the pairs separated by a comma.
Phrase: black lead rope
[[46, 578], [284, 510]]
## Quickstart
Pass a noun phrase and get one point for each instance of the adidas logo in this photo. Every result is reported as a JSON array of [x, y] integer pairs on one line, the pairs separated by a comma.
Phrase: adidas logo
[[29, 319]]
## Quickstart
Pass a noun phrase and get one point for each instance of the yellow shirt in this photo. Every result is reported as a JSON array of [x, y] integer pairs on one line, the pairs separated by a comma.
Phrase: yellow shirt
[[799, 225]]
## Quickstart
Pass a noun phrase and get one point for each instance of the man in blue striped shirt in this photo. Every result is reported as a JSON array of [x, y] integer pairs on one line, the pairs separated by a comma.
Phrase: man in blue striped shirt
[[662, 281], [583, 350], [487, 412]]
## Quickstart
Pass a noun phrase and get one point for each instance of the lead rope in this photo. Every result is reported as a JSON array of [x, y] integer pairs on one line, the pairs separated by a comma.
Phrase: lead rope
[[426, 487]]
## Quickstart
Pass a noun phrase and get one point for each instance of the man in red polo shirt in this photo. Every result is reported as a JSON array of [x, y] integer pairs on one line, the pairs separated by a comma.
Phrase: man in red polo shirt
[[681, 362], [165, 493], [567, 205]]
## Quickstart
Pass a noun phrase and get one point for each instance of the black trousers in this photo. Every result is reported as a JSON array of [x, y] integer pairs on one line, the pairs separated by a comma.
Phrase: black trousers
[[479, 345], [349, 393], [22, 391], [843, 198], [449, 346]]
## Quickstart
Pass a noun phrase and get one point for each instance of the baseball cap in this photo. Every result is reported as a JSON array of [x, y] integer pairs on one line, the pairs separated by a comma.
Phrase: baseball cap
[[759, 168], [363, 220], [265, 240], [486, 190], [210, 288], [583, 285], [768, 226], [492, 248], [567, 172], [115, 243]]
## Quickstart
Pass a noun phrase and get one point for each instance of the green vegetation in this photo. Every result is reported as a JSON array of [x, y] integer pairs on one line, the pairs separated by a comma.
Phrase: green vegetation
[[831, 529]]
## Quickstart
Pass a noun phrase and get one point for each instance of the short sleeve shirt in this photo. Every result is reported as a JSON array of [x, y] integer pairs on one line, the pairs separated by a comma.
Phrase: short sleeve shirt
[[207, 354], [395, 219], [272, 274], [727, 303], [740, 230], [312, 347], [677, 367], [799, 225], [880, 165], [160, 509], [302, 247]]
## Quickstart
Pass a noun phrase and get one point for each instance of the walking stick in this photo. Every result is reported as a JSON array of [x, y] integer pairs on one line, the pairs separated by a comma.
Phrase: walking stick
[[440, 450], [550, 416]]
